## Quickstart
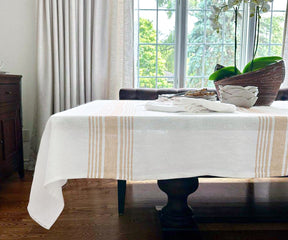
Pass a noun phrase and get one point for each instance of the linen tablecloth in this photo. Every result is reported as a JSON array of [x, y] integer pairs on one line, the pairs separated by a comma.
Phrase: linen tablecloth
[[122, 140]]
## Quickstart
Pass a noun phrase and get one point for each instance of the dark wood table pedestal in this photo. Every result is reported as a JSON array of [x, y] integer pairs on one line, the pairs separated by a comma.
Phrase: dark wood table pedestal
[[177, 213]]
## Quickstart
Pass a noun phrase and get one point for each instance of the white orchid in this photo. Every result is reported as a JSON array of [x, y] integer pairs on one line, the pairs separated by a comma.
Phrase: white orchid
[[262, 5], [265, 7], [256, 7]]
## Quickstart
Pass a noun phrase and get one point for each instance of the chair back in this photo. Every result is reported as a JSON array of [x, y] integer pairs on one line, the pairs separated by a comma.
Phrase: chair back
[[149, 93], [152, 93]]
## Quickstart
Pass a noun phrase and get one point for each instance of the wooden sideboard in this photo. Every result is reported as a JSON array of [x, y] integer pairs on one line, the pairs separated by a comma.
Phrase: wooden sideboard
[[11, 144]]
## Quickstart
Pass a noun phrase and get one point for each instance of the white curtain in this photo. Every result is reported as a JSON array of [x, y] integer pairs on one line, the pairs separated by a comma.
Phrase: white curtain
[[285, 50], [85, 52]]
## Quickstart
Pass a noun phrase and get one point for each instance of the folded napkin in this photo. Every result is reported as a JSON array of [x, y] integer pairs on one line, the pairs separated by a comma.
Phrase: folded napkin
[[193, 105]]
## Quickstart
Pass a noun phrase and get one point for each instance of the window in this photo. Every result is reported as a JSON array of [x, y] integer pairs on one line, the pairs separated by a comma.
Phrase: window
[[175, 45]]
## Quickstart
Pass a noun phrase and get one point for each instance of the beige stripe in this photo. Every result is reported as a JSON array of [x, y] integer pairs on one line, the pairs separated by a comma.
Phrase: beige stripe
[[258, 146], [262, 141], [263, 160], [272, 129], [269, 129], [132, 146], [103, 148], [264, 146], [96, 158], [121, 148], [100, 150], [95, 152], [93, 146], [94, 141], [278, 148], [111, 147], [89, 148]]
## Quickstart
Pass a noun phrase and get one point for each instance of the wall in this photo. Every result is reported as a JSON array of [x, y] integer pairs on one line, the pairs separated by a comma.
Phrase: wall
[[18, 51]]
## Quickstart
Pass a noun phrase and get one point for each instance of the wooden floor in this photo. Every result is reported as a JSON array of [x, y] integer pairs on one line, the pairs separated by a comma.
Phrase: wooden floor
[[91, 211]]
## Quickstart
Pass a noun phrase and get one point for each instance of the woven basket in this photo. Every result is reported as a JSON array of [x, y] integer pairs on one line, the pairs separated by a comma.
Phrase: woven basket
[[268, 81]]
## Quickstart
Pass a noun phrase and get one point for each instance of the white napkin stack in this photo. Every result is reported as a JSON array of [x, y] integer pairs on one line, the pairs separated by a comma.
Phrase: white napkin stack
[[192, 105]]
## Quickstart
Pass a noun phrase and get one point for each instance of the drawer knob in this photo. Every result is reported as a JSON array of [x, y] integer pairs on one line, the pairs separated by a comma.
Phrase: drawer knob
[[8, 92]]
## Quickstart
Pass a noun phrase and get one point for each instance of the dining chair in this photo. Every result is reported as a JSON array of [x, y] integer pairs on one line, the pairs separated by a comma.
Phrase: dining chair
[[152, 94]]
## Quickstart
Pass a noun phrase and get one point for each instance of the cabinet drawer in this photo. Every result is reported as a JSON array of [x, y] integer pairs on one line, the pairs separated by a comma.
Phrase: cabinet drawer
[[9, 93]]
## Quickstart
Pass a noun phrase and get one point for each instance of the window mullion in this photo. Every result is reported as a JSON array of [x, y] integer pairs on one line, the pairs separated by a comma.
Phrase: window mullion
[[177, 47], [157, 39], [204, 45], [251, 34], [181, 36], [138, 47], [270, 32], [245, 45]]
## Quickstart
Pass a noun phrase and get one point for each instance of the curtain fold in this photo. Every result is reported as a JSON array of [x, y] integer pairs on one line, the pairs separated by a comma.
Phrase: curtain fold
[[85, 52]]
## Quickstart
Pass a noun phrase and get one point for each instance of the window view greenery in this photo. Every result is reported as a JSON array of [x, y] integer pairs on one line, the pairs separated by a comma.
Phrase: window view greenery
[[156, 29], [205, 47], [147, 58]]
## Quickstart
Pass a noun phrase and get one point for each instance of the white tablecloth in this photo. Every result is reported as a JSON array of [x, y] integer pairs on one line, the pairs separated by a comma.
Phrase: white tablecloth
[[121, 140]]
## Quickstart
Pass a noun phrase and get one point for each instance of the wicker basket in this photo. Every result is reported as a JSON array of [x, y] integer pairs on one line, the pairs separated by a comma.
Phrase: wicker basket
[[268, 81]]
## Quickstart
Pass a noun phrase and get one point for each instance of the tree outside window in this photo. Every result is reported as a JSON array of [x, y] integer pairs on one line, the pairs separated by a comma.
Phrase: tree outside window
[[157, 55]]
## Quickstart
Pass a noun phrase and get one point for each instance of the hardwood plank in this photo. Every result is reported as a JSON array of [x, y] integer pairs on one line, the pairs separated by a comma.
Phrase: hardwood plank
[[91, 210]]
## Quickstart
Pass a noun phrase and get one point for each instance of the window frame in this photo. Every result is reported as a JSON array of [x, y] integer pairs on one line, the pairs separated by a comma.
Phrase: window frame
[[181, 31], [181, 46]]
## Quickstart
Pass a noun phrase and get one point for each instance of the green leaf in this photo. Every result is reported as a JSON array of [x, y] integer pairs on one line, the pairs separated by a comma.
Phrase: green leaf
[[224, 73], [260, 63]]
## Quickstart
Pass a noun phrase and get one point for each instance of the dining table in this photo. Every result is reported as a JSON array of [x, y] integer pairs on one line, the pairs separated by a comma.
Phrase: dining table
[[113, 139]]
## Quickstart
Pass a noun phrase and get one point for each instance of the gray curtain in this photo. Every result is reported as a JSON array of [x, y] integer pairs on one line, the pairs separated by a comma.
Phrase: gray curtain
[[85, 52]]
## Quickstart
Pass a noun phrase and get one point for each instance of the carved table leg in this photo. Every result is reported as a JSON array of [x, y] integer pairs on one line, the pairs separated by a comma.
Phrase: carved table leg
[[177, 213]]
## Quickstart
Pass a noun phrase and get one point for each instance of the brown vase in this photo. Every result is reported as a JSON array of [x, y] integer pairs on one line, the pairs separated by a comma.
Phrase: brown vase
[[268, 81]]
